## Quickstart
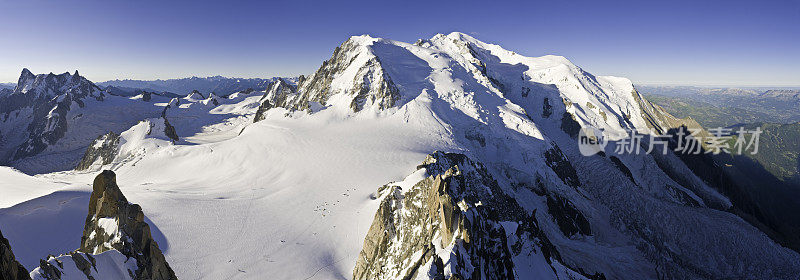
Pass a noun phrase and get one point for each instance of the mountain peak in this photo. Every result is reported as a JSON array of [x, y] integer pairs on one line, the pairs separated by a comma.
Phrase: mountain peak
[[364, 38], [459, 36], [26, 72], [25, 78]]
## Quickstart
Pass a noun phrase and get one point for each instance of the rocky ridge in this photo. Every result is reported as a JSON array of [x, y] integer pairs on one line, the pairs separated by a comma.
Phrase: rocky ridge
[[104, 149], [10, 269], [456, 223], [116, 232], [47, 98], [278, 94]]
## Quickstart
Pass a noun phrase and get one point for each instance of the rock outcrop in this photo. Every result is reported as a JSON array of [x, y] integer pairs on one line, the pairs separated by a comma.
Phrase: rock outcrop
[[169, 131], [104, 149], [449, 226], [77, 265], [278, 94], [114, 223], [10, 269]]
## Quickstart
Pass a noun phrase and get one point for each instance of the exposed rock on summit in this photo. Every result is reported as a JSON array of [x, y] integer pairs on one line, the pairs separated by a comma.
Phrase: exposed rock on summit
[[104, 149], [114, 223]]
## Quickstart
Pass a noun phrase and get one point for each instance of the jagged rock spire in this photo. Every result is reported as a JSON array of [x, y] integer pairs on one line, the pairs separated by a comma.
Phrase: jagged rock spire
[[459, 203], [114, 223], [49, 98]]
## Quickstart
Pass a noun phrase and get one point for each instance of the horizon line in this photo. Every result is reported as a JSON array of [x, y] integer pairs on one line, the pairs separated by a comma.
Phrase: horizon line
[[646, 83]]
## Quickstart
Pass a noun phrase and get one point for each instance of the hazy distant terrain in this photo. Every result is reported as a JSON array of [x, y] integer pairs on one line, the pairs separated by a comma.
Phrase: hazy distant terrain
[[218, 85], [715, 107], [779, 149], [776, 111]]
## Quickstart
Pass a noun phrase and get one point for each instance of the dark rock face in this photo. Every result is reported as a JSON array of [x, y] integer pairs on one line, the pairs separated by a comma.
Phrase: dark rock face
[[169, 131], [547, 109], [10, 269], [570, 221], [50, 271], [621, 166], [262, 109], [49, 98], [104, 147], [570, 125], [475, 135], [556, 160], [443, 204], [455, 211], [115, 224], [53, 267], [196, 92], [213, 99], [279, 94]]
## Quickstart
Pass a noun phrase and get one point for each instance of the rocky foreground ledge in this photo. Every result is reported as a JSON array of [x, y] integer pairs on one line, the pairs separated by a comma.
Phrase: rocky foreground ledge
[[10, 269], [116, 242], [456, 223]]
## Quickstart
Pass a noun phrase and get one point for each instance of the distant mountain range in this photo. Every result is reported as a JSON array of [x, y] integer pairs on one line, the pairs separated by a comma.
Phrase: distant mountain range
[[49, 119], [715, 107], [221, 86], [767, 92]]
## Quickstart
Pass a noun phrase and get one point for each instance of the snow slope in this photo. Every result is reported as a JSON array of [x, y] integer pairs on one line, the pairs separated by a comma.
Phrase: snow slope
[[293, 196], [108, 265]]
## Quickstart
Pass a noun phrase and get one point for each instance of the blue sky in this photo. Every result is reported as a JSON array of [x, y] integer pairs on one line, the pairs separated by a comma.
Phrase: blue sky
[[664, 42]]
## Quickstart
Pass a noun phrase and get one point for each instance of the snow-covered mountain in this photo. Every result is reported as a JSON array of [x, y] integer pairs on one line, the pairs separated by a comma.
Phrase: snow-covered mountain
[[47, 121], [449, 158]]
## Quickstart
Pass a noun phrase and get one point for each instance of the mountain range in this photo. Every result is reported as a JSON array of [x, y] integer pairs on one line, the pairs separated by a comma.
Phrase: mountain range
[[8, 86], [447, 158], [218, 85]]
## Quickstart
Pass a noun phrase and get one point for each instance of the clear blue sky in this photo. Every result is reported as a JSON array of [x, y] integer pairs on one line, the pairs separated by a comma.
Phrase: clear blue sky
[[672, 42]]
